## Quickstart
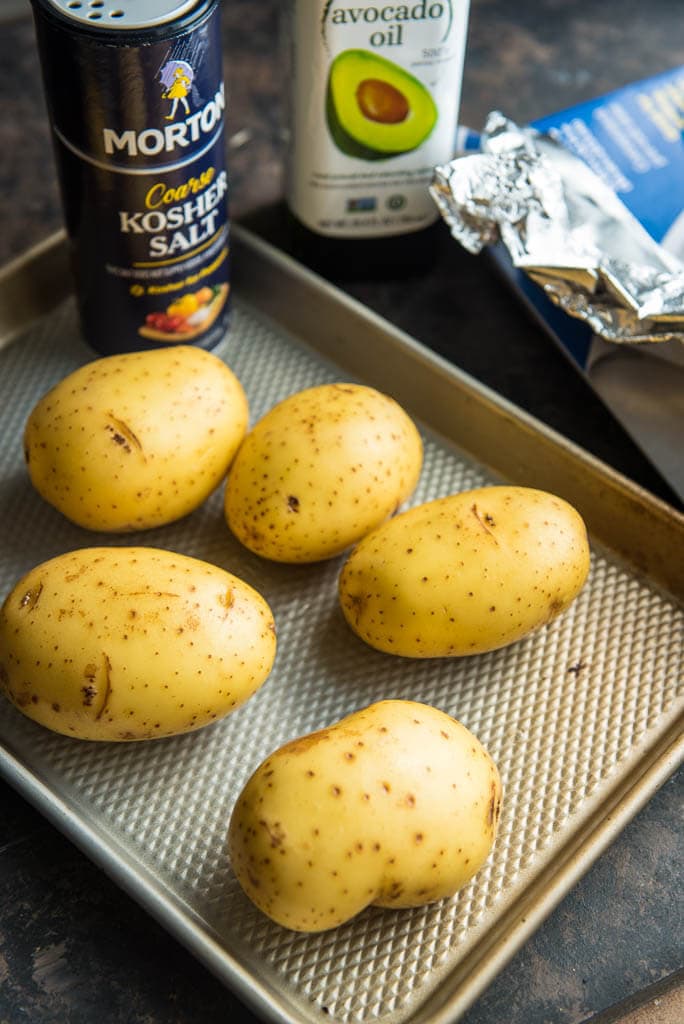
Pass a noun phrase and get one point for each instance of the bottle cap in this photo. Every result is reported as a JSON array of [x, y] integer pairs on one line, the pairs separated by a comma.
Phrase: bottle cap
[[122, 14]]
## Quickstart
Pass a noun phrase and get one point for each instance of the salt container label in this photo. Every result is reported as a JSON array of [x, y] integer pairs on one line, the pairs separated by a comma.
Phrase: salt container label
[[139, 139]]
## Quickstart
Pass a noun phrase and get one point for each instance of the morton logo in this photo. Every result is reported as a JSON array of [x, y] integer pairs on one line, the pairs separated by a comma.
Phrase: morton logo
[[176, 77], [178, 134]]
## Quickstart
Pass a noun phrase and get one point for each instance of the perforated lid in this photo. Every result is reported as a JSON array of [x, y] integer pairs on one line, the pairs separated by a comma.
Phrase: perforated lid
[[122, 14]]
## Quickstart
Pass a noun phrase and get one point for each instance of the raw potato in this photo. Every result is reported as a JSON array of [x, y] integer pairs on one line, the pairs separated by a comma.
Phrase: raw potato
[[465, 574], [396, 806], [320, 470], [134, 441], [132, 643]]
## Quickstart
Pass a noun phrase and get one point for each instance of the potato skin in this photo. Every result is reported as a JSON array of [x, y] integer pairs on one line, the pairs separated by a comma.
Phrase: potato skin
[[396, 805], [320, 470], [465, 574], [134, 441], [132, 643]]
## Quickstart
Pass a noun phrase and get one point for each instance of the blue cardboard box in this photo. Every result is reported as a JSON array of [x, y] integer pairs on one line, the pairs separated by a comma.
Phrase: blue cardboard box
[[633, 138]]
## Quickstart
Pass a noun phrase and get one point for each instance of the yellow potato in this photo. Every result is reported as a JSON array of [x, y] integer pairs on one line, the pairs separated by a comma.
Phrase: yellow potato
[[465, 574], [134, 441], [320, 470], [396, 805], [132, 643]]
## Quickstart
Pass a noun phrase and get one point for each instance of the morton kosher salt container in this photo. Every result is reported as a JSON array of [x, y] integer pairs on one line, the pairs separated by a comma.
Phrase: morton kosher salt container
[[136, 101]]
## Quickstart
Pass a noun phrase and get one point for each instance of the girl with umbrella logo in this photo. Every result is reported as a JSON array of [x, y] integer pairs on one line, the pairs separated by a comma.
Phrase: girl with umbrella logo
[[176, 77]]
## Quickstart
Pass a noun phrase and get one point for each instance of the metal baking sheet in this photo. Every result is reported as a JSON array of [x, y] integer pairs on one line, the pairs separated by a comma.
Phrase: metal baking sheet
[[583, 718]]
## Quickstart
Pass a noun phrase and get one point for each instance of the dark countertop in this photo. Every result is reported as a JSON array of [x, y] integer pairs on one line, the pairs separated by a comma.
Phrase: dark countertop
[[74, 948]]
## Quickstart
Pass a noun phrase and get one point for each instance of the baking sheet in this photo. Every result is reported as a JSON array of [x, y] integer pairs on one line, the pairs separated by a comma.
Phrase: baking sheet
[[583, 719]]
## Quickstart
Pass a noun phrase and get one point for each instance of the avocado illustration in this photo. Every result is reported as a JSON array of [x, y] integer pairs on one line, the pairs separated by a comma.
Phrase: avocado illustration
[[375, 108]]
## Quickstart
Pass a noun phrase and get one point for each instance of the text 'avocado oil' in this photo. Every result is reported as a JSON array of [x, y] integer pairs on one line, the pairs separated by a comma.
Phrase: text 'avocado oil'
[[374, 92]]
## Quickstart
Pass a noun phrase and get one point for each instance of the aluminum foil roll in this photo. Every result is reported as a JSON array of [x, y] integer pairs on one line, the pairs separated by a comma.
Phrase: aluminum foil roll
[[566, 229]]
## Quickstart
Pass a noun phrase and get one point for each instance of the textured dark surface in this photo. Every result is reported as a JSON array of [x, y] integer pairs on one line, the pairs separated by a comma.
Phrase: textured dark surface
[[73, 948]]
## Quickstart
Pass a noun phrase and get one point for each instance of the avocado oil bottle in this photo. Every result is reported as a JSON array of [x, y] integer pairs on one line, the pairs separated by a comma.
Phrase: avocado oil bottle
[[374, 90]]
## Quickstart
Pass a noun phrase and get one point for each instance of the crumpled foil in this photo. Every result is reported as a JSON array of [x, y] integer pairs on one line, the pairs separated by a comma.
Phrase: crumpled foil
[[566, 229]]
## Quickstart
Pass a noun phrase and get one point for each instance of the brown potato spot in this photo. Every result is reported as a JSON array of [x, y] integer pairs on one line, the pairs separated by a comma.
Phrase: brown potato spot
[[274, 831], [89, 693], [31, 597]]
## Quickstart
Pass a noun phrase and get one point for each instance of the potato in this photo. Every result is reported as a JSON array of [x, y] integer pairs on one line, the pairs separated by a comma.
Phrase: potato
[[465, 574], [132, 643], [396, 805], [134, 441], [320, 470]]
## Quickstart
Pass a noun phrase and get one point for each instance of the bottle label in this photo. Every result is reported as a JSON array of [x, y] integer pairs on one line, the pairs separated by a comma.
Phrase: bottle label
[[139, 140], [374, 108]]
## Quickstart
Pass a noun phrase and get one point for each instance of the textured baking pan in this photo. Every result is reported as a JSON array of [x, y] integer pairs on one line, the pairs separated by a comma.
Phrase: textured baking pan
[[583, 719]]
